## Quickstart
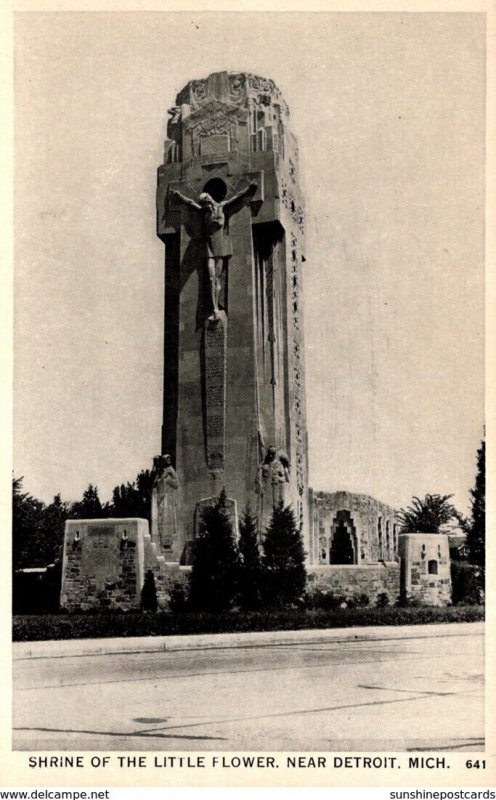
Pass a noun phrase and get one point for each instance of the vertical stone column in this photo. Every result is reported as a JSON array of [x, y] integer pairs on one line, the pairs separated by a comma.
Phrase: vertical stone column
[[215, 348], [235, 385]]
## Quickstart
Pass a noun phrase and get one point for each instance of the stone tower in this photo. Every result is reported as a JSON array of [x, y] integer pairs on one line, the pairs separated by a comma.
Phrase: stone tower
[[230, 214]]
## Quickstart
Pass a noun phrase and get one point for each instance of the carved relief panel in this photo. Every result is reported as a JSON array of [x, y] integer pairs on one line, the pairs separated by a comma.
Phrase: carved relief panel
[[294, 278]]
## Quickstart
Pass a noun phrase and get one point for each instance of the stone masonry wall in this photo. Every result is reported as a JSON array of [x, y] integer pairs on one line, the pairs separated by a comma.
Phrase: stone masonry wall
[[81, 592], [168, 575], [426, 567], [103, 564], [371, 580]]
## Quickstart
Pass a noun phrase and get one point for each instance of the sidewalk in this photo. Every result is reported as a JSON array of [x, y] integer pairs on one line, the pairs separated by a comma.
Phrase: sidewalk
[[166, 644]]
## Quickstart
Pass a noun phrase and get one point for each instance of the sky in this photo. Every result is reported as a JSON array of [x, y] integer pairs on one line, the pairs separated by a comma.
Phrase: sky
[[388, 109]]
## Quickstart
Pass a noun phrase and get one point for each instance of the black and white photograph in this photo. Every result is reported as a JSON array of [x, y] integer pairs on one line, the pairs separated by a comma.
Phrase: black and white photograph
[[249, 440]]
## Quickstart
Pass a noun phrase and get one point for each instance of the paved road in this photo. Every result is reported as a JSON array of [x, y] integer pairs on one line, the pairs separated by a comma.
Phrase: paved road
[[390, 694]]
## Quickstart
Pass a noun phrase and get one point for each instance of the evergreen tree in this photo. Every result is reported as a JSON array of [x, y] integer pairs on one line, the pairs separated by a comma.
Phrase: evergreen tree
[[250, 570], [38, 529], [149, 600], [26, 522], [284, 558], [134, 499], [214, 572], [90, 506], [120, 504], [427, 515], [52, 528], [476, 536]]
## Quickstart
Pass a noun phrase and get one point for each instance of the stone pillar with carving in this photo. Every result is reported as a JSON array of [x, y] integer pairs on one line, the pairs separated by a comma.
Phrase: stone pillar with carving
[[272, 485], [230, 214]]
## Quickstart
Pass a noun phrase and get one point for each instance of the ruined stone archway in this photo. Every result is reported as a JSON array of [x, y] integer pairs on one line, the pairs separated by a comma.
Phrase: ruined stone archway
[[343, 548]]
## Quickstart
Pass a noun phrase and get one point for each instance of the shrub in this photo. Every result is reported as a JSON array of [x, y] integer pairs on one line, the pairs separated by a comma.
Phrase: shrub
[[361, 600], [135, 623], [408, 601], [326, 600], [382, 600], [467, 583], [322, 599], [149, 593], [178, 599]]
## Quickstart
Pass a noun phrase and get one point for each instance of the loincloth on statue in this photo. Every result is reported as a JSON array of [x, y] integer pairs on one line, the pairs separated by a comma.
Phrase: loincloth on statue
[[219, 245]]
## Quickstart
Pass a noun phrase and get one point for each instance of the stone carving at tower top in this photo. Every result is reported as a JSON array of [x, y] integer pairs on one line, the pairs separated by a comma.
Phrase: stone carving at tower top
[[234, 87], [232, 112]]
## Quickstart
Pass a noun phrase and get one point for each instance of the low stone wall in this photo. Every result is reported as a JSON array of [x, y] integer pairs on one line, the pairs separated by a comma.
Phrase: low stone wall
[[168, 575], [105, 562], [168, 579], [370, 579]]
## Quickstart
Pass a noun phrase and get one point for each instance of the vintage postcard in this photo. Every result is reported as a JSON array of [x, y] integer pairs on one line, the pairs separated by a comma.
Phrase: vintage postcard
[[251, 261]]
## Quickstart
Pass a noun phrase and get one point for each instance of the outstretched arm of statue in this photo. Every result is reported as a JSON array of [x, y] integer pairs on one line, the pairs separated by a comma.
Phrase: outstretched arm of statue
[[185, 201], [239, 200]]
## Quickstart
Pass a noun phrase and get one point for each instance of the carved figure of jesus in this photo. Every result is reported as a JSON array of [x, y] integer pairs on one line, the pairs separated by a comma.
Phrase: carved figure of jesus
[[211, 225]]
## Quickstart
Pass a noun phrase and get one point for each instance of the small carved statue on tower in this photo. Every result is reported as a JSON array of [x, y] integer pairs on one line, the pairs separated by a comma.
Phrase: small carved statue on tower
[[211, 227], [164, 501], [173, 122]]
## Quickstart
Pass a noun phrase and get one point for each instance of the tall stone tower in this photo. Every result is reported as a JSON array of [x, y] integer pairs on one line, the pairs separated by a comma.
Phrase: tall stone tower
[[230, 214]]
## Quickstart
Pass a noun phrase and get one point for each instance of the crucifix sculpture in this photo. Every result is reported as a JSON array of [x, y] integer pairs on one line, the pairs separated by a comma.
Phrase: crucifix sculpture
[[209, 225]]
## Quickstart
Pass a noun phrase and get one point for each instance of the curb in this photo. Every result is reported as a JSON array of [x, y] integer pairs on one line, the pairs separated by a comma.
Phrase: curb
[[219, 641]]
